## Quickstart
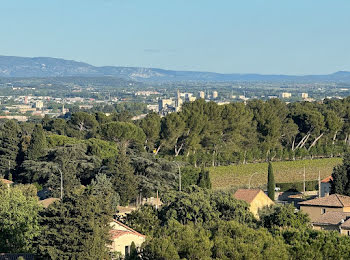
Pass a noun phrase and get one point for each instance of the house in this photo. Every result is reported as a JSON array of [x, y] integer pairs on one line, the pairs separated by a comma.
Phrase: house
[[122, 237], [331, 221], [6, 182], [315, 208], [47, 202], [256, 199], [326, 185]]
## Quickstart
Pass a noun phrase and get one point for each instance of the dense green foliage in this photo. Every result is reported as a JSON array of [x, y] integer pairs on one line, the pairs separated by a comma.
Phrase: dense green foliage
[[77, 227], [341, 177], [104, 161], [220, 227], [19, 219], [270, 182]]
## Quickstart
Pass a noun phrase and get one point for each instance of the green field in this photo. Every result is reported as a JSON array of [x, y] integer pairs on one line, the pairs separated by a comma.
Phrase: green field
[[235, 176]]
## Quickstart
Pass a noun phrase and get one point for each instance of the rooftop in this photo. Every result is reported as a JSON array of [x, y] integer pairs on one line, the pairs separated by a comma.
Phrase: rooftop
[[5, 181], [334, 200], [115, 233], [247, 195], [47, 202], [328, 179], [331, 218]]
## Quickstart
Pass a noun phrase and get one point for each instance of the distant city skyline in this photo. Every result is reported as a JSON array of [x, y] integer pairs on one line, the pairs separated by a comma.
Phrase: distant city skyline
[[266, 37]]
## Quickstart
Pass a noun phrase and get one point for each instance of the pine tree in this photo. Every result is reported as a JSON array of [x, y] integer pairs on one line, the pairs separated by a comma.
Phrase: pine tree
[[76, 228], [270, 182], [123, 178], [37, 144]]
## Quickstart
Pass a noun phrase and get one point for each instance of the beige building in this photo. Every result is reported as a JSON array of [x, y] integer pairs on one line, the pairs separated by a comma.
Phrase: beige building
[[215, 94], [256, 199], [122, 237], [202, 94], [39, 104], [304, 95], [286, 95], [315, 208]]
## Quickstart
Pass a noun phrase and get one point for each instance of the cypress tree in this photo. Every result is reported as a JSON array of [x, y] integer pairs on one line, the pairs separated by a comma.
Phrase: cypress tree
[[123, 178], [9, 147], [37, 144], [204, 179], [270, 182]]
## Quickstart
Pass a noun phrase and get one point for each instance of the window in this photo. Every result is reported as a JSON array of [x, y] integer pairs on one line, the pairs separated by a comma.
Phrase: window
[[323, 211]]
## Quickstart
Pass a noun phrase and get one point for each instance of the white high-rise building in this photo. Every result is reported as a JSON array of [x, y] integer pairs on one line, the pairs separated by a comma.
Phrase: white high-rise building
[[202, 94], [215, 94]]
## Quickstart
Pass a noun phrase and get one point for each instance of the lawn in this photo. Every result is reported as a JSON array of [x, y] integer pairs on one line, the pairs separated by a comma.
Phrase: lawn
[[235, 176]]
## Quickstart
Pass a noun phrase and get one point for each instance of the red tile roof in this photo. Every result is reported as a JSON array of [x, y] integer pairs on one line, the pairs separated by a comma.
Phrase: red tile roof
[[115, 233], [334, 200], [247, 195], [5, 181], [328, 179]]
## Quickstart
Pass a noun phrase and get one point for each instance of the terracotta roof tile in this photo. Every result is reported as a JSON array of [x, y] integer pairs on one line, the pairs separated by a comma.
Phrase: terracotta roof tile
[[47, 202], [5, 181], [328, 179], [334, 200], [346, 224], [115, 233], [247, 195], [118, 233], [331, 218]]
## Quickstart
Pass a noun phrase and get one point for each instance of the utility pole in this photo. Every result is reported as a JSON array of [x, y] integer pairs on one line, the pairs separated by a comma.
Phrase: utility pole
[[319, 184], [61, 181], [179, 175], [304, 181]]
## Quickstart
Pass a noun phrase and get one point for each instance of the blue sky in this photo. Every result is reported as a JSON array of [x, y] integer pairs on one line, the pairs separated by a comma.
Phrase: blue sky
[[247, 36]]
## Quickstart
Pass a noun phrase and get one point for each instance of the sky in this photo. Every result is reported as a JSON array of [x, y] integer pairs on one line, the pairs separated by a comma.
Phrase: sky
[[228, 36]]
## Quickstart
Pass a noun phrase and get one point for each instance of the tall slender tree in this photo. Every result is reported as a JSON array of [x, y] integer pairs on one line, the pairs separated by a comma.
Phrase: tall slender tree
[[37, 144], [270, 182]]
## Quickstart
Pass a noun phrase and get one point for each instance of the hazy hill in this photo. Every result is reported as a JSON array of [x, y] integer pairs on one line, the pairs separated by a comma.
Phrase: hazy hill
[[11, 66]]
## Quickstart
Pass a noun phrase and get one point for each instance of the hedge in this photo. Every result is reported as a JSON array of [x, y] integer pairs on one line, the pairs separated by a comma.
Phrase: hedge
[[298, 186]]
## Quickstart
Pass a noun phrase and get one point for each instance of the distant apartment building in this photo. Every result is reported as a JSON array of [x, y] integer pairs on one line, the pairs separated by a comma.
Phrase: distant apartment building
[[202, 94], [215, 94], [304, 95], [154, 108], [164, 103], [286, 95], [39, 104]]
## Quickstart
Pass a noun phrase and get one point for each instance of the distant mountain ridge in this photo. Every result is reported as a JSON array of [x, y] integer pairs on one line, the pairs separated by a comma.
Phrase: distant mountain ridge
[[12, 66]]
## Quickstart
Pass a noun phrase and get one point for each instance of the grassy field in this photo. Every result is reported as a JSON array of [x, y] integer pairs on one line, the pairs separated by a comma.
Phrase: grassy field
[[234, 176]]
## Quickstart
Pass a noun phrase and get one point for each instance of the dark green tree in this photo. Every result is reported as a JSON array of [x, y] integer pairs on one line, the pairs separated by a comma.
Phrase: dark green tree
[[204, 179], [122, 177], [37, 146], [270, 182], [76, 228], [133, 252], [9, 146], [341, 177]]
